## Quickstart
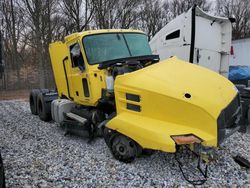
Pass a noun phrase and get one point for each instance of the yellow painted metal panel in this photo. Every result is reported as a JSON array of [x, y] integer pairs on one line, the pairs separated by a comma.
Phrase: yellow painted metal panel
[[164, 108], [176, 97], [58, 52]]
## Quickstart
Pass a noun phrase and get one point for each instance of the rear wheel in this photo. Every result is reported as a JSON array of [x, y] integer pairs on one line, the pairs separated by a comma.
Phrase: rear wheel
[[148, 152], [32, 99], [124, 149], [43, 110]]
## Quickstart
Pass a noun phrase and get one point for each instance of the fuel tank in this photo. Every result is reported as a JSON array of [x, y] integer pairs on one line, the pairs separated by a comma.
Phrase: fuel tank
[[169, 98]]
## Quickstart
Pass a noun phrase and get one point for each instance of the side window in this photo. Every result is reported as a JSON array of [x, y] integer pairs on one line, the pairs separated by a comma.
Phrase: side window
[[173, 35], [76, 56]]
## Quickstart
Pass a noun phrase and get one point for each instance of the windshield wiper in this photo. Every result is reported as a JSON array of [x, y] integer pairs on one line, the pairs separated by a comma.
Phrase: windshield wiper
[[108, 63]]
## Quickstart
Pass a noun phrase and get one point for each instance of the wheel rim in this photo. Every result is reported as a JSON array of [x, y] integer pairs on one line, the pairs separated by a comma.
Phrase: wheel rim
[[121, 149], [124, 149]]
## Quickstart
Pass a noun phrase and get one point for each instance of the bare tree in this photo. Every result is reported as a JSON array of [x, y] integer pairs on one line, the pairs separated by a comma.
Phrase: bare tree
[[13, 25], [240, 10], [103, 16], [127, 14], [154, 14], [78, 14], [115, 13], [177, 7], [31, 25], [152, 17], [40, 15], [34, 10]]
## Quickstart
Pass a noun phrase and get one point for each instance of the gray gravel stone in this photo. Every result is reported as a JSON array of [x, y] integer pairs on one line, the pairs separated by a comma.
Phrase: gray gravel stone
[[37, 154]]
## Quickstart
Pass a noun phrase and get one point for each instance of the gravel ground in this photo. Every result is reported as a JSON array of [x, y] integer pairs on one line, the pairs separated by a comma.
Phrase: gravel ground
[[37, 154]]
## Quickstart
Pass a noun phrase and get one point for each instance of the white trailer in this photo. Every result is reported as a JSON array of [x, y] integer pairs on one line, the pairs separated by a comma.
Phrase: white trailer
[[197, 37], [240, 53], [205, 40]]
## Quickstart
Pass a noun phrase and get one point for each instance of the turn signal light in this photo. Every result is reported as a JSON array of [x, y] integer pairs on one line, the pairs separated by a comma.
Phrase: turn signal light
[[186, 139]]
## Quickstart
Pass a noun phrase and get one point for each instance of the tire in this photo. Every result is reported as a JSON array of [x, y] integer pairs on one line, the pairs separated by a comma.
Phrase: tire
[[108, 135], [124, 149], [32, 99], [43, 110], [148, 152], [2, 177], [44, 90]]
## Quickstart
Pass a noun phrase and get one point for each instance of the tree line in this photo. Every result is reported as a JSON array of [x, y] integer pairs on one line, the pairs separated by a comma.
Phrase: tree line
[[29, 26]]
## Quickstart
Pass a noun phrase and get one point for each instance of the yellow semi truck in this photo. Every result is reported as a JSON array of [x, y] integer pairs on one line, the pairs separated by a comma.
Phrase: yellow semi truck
[[108, 82]]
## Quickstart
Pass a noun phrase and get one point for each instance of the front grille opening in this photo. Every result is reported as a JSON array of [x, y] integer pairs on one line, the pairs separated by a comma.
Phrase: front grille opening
[[133, 107], [133, 97], [230, 110], [227, 118], [221, 131]]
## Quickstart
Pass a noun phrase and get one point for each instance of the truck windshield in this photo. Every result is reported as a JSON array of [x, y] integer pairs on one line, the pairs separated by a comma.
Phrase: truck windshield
[[105, 47]]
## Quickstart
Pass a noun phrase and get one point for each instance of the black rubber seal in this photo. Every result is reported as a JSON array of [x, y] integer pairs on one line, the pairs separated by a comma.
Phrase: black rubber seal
[[191, 55], [67, 81]]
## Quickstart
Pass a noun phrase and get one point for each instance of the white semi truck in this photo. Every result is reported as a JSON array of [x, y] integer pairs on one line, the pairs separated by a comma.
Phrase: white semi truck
[[196, 37], [203, 39]]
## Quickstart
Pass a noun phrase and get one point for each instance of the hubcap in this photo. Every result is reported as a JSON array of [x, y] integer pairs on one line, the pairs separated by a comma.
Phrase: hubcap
[[123, 148]]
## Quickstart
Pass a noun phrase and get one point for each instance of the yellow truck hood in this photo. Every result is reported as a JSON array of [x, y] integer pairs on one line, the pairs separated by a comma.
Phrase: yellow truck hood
[[169, 98], [178, 79]]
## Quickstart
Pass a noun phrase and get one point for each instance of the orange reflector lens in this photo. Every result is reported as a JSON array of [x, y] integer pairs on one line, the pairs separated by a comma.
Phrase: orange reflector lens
[[186, 139]]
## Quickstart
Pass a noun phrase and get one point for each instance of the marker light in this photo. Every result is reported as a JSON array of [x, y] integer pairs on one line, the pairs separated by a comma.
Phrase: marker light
[[186, 139]]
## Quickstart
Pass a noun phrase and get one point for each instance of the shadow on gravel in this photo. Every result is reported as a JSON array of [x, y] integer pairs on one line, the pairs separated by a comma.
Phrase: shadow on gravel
[[37, 154]]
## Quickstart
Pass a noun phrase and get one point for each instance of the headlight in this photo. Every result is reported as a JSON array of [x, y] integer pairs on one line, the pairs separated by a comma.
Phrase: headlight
[[186, 139]]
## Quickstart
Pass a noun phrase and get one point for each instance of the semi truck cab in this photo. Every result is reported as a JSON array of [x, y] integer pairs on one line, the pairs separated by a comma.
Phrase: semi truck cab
[[110, 83]]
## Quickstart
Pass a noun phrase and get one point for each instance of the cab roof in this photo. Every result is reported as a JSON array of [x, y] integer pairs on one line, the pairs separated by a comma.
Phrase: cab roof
[[100, 31]]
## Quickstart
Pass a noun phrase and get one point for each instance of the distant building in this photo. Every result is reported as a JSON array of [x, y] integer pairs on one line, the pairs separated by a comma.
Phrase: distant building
[[240, 53]]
